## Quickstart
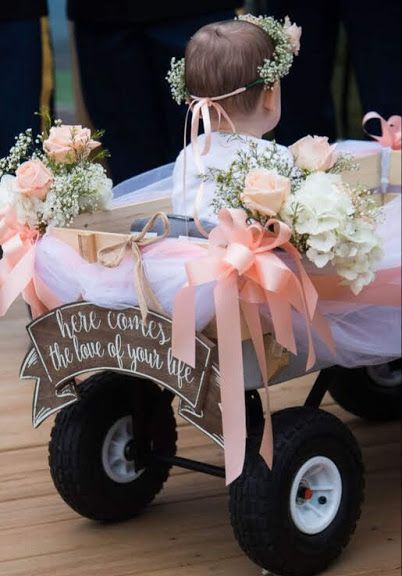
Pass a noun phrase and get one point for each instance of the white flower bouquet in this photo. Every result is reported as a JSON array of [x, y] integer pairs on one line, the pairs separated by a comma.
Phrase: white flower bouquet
[[52, 179], [331, 222]]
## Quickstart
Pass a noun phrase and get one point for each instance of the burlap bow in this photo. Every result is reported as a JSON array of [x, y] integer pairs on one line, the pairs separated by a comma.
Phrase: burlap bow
[[112, 256]]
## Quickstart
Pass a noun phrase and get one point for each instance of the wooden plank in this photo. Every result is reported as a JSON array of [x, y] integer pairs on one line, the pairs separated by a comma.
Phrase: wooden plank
[[120, 219]]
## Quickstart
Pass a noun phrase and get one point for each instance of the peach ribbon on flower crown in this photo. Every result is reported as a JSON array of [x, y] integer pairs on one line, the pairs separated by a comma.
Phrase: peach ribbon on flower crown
[[17, 267], [200, 109], [391, 136], [247, 273]]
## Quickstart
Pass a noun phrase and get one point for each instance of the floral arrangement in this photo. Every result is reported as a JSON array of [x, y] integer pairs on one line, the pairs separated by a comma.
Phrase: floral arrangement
[[286, 40], [52, 179], [331, 222]]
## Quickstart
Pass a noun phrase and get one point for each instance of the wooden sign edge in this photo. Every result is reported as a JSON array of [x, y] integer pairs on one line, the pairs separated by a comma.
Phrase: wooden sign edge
[[40, 414]]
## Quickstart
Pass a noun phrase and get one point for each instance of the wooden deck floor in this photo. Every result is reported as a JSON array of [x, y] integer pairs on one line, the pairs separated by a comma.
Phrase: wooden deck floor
[[186, 531]]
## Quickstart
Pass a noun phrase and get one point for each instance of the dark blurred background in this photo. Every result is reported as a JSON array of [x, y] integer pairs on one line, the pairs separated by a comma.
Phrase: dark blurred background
[[64, 92], [348, 107]]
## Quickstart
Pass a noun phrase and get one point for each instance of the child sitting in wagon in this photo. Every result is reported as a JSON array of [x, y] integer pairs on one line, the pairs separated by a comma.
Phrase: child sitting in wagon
[[231, 79]]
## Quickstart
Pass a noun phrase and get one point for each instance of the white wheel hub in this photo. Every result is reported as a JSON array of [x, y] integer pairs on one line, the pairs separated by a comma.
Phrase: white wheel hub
[[315, 495], [115, 452], [385, 375]]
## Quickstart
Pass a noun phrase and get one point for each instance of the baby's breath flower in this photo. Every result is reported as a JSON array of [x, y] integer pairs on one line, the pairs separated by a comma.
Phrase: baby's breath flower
[[177, 80], [18, 153], [344, 163], [81, 188], [279, 65]]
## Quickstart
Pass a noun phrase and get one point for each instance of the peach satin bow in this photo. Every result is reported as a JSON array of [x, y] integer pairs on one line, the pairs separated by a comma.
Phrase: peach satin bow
[[17, 268], [247, 273], [17, 265]]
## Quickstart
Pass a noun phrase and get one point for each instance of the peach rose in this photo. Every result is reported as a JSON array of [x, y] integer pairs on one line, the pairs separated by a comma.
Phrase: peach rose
[[265, 191], [65, 143], [33, 179], [294, 33], [313, 153]]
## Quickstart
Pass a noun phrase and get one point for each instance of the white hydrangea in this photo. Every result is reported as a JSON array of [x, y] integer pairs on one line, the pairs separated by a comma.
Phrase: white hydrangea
[[322, 214], [6, 190], [28, 210], [319, 205]]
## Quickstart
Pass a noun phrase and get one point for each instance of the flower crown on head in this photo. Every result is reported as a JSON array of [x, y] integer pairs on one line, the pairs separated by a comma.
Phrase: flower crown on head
[[286, 39]]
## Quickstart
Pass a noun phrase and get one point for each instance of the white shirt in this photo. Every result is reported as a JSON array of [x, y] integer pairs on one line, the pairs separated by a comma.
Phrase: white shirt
[[223, 151]]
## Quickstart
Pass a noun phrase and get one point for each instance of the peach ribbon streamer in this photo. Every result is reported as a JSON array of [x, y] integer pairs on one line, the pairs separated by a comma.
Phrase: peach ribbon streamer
[[17, 268], [391, 130], [247, 272], [112, 256]]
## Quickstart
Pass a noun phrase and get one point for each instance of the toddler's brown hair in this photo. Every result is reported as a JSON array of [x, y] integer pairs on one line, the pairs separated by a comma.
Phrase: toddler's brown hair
[[225, 56]]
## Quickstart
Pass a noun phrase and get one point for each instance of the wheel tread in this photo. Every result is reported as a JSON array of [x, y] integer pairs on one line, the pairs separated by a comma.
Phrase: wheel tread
[[65, 462]]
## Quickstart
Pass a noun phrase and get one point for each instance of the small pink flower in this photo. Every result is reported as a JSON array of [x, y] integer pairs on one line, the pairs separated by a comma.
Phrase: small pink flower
[[314, 153], [294, 33], [33, 179], [265, 191], [65, 143]]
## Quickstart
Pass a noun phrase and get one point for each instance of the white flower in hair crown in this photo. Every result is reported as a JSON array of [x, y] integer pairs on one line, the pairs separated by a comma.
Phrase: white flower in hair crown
[[286, 40]]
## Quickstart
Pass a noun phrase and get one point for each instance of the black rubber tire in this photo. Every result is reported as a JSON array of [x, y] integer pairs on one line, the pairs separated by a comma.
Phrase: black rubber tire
[[259, 498], [75, 449], [358, 393]]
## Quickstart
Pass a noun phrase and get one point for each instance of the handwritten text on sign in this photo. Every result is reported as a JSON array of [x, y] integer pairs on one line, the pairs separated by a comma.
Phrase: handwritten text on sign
[[82, 337]]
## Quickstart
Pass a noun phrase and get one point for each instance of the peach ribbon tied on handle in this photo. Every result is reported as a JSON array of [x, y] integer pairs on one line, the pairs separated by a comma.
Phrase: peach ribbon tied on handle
[[247, 273], [390, 130]]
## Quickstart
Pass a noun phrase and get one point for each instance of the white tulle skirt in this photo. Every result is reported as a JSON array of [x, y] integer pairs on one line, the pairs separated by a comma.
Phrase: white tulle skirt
[[364, 334]]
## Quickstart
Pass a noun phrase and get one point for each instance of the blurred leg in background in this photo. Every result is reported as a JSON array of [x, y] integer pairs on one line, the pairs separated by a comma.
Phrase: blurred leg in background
[[118, 87], [25, 68]]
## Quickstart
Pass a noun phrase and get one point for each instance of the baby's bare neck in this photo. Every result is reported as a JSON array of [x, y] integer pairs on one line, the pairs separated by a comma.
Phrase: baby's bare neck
[[250, 125]]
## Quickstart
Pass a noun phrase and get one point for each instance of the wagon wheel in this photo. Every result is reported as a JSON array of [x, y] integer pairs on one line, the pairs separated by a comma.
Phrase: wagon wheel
[[296, 519], [371, 392], [92, 451]]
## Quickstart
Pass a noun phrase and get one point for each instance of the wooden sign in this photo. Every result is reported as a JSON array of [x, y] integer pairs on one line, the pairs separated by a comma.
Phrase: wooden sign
[[80, 338], [209, 419]]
